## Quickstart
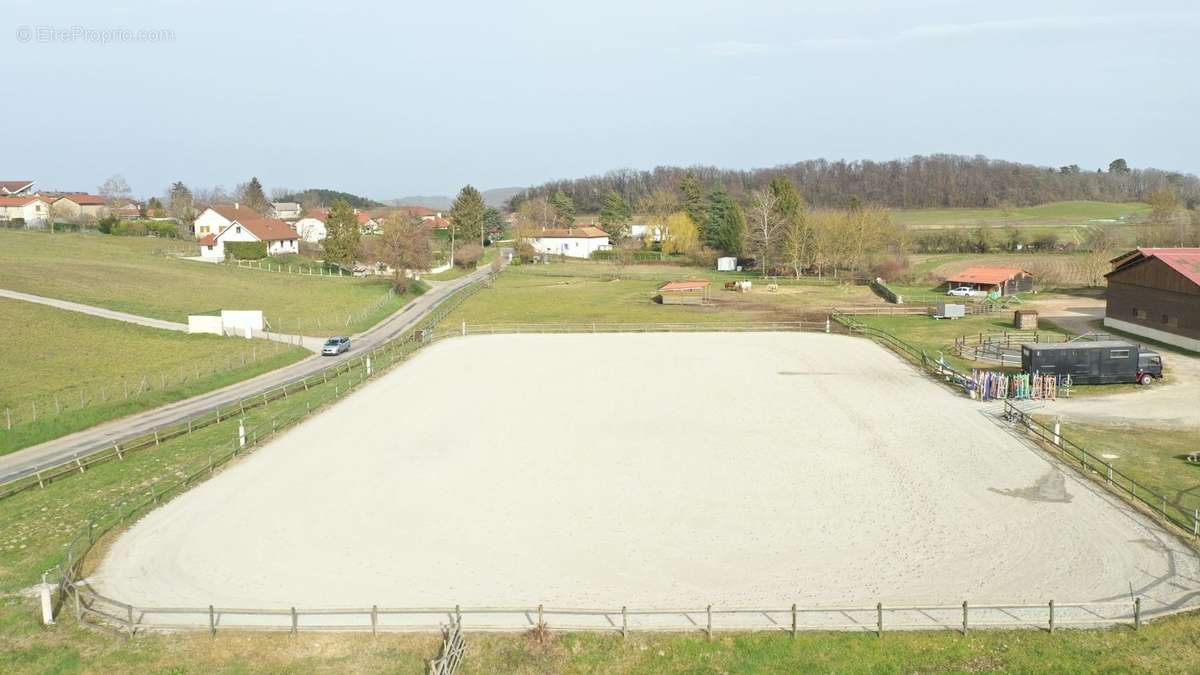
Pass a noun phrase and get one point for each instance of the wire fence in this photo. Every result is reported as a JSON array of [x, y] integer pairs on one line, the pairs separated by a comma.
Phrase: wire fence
[[317, 326], [130, 387], [307, 269], [1102, 470]]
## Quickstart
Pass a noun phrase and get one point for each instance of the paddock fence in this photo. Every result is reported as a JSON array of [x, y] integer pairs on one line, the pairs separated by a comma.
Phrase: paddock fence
[[1102, 471], [1003, 348], [308, 270], [454, 648], [93, 609]]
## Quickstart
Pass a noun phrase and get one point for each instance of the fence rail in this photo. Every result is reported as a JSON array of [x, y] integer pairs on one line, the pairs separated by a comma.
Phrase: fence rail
[[91, 608], [1188, 521]]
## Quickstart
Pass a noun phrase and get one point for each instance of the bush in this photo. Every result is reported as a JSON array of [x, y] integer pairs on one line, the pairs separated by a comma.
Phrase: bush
[[468, 256], [525, 251], [128, 228], [890, 269], [106, 224], [246, 250]]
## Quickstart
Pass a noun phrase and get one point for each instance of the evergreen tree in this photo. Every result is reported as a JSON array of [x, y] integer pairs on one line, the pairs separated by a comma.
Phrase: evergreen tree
[[341, 234], [615, 215], [252, 195], [693, 201], [564, 209], [466, 218], [493, 223], [725, 226]]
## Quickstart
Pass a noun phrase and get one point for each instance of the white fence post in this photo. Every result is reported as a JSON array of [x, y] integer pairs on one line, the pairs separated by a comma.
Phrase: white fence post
[[241, 433]]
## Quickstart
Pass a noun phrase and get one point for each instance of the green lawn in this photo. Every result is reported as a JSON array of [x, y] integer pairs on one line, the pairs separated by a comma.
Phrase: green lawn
[[1071, 221], [594, 292], [1153, 456], [132, 274], [75, 369]]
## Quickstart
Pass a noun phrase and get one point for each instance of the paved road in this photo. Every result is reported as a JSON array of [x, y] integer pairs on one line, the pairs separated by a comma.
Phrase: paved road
[[80, 444]]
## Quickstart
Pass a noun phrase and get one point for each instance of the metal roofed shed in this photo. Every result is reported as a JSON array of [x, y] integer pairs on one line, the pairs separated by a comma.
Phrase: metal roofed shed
[[1000, 280], [950, 310], [688, 292], [1100, 362]]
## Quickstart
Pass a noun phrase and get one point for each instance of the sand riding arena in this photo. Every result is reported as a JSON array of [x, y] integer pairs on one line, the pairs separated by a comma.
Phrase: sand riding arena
[[671, 472]]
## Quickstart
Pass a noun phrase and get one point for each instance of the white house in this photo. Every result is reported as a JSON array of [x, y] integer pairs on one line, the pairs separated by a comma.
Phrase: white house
[[285, 210], [312, 226], [33, 209], [651, 232], [12, 188], [280, 236], [214, 219], [576, 242]]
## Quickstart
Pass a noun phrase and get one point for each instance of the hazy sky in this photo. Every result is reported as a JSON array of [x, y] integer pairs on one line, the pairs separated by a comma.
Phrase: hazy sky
[[388, 99]]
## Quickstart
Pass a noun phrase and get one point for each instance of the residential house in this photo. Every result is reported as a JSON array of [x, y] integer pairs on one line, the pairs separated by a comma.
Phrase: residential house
[[130, 211], [368, 224], [13, 188], [280, 237], [312, 226], [1155, 293], [34, 210], [214, 219], [288, 211], [575, 241], [79, 206]]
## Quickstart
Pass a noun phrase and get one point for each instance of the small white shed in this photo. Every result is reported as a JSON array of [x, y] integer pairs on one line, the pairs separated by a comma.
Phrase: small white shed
[[727, 264]]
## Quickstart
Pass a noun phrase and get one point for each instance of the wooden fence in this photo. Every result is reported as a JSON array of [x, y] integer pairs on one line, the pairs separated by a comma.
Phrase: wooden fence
[[454, 647], [1125, 486], [105, 613]]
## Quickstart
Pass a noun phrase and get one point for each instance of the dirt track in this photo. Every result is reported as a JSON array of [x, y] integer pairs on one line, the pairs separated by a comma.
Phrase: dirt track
[[653, 470]]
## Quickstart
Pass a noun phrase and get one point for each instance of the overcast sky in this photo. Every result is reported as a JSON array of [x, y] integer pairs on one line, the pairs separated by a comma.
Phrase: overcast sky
[[388, 99]]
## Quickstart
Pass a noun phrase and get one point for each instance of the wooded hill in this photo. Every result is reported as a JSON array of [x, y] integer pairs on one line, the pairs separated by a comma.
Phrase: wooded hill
[[935, 181]]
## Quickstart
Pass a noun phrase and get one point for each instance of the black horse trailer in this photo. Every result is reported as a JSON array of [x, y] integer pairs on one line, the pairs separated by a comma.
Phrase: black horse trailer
[[1100, 362]]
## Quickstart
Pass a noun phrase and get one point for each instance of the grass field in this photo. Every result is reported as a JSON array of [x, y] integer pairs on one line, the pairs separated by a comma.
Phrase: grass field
[[132, 274], [1071, 221], [64, 353], [35, 525], [594, 292], [1151, 455]]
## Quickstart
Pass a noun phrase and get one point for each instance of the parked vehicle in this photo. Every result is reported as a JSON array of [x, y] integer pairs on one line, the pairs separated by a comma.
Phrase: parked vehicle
[[336, 345], [961, 292], [1100, 362]]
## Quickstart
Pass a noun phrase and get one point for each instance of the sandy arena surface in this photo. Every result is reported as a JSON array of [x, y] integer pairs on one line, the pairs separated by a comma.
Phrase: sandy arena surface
[[649, 470]]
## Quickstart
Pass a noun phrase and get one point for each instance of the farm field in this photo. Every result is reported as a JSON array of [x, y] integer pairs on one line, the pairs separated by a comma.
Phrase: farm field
[[591, 292], [1053, 272], [68, 357], [915, 515], [1070, 221], [136, 275]]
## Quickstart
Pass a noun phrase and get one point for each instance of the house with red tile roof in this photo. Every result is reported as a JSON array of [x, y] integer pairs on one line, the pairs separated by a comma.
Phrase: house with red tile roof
[[34, 210], [1155, 293], [1000, 280], [575, 241], [79, 206], [13, 188], [239, 223]]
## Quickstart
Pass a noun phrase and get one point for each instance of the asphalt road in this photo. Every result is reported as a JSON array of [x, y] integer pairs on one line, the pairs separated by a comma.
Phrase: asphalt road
[[30, 460]]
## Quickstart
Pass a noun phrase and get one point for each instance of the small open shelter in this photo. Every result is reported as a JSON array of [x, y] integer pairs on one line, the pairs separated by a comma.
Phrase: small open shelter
[[999, 280], [687, 292]]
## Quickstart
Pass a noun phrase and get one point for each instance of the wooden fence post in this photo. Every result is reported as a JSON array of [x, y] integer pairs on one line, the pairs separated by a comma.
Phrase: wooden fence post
[[374, 619], [1137, 613], [129, 619], [793, 620], [295, 622], [624, 621], [212, 622], [879, 619], [709, 630], [1052, 616], [964, 617]]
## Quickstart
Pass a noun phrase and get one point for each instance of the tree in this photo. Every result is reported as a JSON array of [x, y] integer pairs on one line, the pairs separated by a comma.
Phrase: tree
[[466, 218], [341, 234], [493, 223], [683, 235], [725, 226], [251, 195], [564, 209], [1101, 242], [657, 208], [794, 228], [1118, 166], [1164, 203], [115, 190], [405, 247], [615, 215], [180, 205], [154, 207], [691, 193], [765, 223], [533, 214]]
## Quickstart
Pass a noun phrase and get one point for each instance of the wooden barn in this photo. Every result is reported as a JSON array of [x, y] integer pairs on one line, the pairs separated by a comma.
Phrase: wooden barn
[[689, 292], [1001, 280], [1155, 293]]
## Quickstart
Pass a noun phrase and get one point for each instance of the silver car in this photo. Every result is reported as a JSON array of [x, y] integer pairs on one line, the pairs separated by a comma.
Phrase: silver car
[[336, 345]]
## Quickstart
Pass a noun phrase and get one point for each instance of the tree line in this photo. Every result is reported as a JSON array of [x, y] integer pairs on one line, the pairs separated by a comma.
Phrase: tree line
[[934, 181]]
